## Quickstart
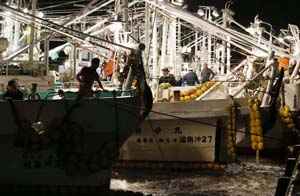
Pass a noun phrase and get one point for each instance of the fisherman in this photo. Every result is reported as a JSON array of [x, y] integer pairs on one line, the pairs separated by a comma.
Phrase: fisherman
[[206, 74], [167, 77], [13, 91], [87, 76], [190, 78]]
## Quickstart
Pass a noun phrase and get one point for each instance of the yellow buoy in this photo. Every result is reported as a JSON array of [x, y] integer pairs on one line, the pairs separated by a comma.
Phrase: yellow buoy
[[291, 125], [254, 146], [257, 122], [255, 107], [193, 96], [260, 146]]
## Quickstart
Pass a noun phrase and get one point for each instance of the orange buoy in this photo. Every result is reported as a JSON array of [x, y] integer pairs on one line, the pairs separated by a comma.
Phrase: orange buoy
[[108, 67], [283, 63]]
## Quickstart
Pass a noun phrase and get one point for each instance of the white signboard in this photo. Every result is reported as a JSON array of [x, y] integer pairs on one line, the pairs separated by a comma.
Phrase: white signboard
[[171, 140]]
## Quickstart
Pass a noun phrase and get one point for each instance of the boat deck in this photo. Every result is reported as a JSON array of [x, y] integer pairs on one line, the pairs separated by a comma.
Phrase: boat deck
[[194, 109]]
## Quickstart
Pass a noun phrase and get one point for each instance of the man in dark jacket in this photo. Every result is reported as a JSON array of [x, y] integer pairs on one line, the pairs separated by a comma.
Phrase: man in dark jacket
[[12, 91], [190, 78], [206, 74], [167, 77], [86, 78]]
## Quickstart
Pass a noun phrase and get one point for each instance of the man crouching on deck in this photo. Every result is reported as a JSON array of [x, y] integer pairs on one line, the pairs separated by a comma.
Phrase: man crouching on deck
[[86, 78]]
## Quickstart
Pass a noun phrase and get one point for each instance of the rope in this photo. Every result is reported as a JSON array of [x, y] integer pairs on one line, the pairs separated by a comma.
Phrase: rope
[[128, 107]]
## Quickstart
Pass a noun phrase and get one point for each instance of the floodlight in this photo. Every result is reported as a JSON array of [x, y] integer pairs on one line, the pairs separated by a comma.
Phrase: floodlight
[[41, 14], [178, 2], [288, 37], [281, 40], [25, 10], [200, 12], [215, 13], [115, 26]]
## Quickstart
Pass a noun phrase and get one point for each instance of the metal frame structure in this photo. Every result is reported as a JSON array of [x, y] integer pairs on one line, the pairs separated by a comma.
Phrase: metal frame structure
[[168, 31]]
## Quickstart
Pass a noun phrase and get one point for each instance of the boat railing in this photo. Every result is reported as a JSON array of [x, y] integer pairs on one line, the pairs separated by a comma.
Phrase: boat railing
[[98, 94], [70, 85]]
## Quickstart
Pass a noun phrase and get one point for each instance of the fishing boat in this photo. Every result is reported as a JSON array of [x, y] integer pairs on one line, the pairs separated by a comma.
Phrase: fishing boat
[[70, 142], [220, 110], [199, 121]]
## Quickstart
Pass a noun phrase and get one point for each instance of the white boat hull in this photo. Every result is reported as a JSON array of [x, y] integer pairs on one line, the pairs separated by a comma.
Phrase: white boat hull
[[188, 133]]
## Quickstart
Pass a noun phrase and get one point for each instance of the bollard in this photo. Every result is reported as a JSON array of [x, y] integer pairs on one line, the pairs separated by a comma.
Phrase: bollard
[[282, 186], [296, 150], [290, 165]]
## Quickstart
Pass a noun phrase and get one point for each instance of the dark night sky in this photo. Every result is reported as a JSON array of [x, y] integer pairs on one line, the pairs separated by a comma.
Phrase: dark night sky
[[277, 12]]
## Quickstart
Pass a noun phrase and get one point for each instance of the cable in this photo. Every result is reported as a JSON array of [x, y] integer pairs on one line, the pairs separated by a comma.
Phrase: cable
[[131, 108]]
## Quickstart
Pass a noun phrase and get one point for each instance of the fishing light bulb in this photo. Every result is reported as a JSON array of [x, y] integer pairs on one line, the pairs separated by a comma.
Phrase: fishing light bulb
[[215, 13], [178, 2], [200, 12], [288, 37], [7, 13], [115, 26], [41, 14], [25, 10], [281, 40]]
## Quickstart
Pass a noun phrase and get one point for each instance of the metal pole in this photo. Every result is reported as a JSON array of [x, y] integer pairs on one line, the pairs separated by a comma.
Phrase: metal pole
[[147, 31], [267, 97], [228, 56], [155, 65], [46, 55], [16, 35], [164, 43], [74, 61], [125, 14], [196, 45], [209, 38], [172, 46], [178, 34], [32, 32]]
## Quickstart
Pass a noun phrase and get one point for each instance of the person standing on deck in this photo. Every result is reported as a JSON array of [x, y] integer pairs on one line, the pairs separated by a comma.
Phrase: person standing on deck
[[190, 78], [86, 78], [13, 91], [206, 74], [167, 77]]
